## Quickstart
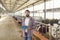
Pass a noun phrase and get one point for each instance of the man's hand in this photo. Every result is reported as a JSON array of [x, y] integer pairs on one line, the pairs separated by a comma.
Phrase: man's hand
[[29, 28]]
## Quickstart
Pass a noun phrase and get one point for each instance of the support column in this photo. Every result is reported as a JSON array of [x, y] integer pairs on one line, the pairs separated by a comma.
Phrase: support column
[[33, 10], [44, 9]]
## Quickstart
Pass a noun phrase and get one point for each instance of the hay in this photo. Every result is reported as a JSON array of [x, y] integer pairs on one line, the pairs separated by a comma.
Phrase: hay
[[9, 29]]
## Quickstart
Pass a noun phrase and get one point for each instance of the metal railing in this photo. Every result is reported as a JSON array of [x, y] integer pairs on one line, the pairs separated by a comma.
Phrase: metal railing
[[47, 31]]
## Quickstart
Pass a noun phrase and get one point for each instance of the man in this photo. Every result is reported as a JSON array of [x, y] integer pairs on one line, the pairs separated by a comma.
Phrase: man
[[29, 22]]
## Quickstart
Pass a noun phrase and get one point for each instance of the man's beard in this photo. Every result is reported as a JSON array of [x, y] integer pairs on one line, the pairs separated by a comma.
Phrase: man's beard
[[27, 15]]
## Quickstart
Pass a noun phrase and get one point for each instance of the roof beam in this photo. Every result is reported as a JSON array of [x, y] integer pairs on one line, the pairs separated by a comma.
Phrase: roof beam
[[22, 4], [3, 5], [39, 1], [27, 5]]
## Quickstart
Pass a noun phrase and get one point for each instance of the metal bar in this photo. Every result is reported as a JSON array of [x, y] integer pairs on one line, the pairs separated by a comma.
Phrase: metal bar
[[14, 5], [22, 4], [45, 9], [3, 5], [17, 4], [53, 9], [33, 10], [20, 0], [10, 4], [29, 5]]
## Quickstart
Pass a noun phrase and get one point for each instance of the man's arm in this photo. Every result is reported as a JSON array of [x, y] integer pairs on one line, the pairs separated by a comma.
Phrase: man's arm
[[33, 24]]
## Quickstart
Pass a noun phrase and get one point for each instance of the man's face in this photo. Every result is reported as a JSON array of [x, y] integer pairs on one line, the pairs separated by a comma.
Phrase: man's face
[[27, 13]]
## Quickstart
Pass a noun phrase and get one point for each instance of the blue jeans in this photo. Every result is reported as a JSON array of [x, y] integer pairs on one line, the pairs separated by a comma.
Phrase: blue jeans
[[27, 38]]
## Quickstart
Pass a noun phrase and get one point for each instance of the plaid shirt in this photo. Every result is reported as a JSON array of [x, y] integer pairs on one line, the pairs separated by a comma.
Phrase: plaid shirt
[[30, 25]]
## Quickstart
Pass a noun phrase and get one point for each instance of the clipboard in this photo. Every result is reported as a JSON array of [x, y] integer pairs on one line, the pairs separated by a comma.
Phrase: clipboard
[[24, 27]]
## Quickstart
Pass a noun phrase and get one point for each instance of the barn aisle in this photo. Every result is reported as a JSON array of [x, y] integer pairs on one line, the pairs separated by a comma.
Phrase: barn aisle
[[9, 29]]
